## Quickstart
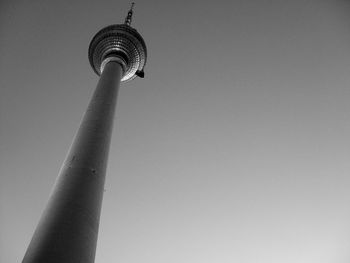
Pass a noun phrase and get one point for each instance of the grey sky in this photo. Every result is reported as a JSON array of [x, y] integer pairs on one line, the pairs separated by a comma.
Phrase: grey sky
[[234, 148]]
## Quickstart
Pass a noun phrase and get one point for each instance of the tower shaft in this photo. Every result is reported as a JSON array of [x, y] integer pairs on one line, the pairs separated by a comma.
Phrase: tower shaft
[[67, 231]]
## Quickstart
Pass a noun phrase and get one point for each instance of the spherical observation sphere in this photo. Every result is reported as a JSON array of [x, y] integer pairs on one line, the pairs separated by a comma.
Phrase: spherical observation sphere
[[120, 43]]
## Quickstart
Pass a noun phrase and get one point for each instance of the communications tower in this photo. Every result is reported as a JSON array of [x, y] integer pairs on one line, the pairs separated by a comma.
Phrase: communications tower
[[68, 228]]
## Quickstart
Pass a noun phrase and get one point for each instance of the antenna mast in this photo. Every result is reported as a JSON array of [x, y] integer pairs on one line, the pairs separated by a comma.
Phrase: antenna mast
[[129, 16]]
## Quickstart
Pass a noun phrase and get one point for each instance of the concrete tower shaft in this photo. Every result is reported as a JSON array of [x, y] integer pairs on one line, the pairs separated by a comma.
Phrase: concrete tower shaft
[[68, 228], [67, 231]]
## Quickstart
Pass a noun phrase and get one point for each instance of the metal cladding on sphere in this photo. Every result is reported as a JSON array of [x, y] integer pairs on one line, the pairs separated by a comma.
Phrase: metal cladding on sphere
[[121, 43]]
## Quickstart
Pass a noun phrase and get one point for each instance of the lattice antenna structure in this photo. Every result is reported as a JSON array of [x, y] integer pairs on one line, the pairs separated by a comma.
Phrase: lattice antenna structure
[[128, 18]]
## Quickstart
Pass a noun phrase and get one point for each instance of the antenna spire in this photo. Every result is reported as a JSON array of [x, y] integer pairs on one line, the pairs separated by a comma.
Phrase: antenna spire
[[129, 16]]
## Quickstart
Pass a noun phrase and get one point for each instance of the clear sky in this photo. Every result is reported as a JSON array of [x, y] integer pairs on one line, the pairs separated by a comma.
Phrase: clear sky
[[234, 148]]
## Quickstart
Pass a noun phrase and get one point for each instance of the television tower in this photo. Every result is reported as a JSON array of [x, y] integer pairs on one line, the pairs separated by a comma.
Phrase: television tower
[[68, 228]]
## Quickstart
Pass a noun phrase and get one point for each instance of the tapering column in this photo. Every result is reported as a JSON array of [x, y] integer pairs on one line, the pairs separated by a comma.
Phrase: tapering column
[[67, 231]]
